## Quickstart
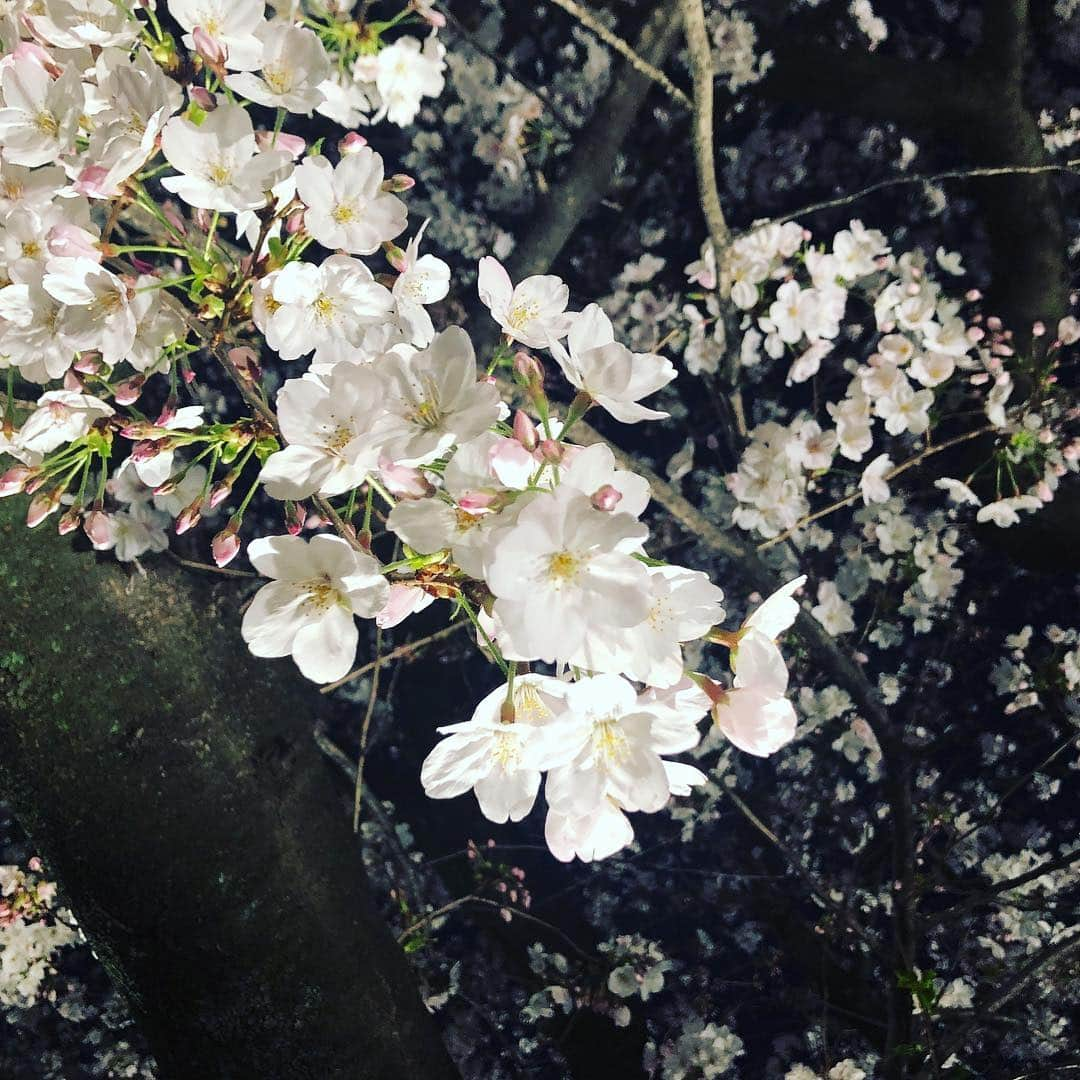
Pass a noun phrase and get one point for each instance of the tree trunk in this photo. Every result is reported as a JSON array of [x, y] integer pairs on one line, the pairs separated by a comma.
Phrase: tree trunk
[[171, 784]]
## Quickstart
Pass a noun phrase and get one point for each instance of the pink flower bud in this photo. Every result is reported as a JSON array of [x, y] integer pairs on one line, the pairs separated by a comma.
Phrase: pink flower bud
[[351, 143], [220, 492], [167, 488], [41, 506], [994, 322], [226, 545], [972, 295], [91, 182], [208, 47], [168, 411], [1038, 328], [528, 367], [127, 392], [525, 431], [72, 381], [476, 500], [295, 516], [88, 363], [294, 223], [606, 497], [98, 527], [396, 257], [176, 219], [69, 522], [293, 144], [404, 481], [201, 218], [14, 480], [398, 182], [67, 241], [551, 451], [147, 450], [189, 517], [202, 97]]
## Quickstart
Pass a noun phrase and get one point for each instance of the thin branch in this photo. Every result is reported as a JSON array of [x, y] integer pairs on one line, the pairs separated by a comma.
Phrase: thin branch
[[515, 913], [899, 181], [224, 571], [623, 48], [358, 790], [700, 49], [397, 653], [847, 500]]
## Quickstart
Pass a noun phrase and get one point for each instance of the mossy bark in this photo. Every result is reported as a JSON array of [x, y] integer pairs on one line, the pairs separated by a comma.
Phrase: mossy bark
[[171, 783]]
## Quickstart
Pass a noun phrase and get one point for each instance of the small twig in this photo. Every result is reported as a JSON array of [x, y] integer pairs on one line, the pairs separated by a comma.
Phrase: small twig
[[225, 571], [358, 791], [847, 500], [515, 913], [590, 22], [397, 653], [899, 181]]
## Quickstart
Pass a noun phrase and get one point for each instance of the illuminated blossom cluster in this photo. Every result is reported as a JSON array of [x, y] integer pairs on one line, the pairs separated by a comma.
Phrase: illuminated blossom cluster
[[157, 214]]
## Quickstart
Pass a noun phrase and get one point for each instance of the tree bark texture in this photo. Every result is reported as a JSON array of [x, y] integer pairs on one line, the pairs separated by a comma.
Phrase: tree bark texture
[[171, 783]]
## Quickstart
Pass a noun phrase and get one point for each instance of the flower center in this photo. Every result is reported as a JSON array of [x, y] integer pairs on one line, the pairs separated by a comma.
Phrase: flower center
[[322, 595], [528, 705], [523, 313], [46, 123], [564, 566], [609, 742], [343, 213], [220, 174], [507, 751], [278, 77], [324, 307]]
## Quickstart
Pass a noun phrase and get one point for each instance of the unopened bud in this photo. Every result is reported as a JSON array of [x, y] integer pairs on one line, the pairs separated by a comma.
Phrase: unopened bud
[[72, 381], [202, 97], [1038, 328], [88, 363], [189, 517], [127, 392], [69, 522], [606, 497], [396, 257], [294, 223], [226, 545], [295, 516], [972, 295], [220, 492], [351, 143], [168, 411], [208, 47], [98, 528], [147, 450], [41, 506], [67, 241], [529, 368], [551, 451], [398, 182], [14, 480], [525, 431]]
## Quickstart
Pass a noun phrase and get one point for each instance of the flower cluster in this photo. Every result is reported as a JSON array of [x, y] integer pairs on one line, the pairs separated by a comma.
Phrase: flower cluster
[[151, 224]]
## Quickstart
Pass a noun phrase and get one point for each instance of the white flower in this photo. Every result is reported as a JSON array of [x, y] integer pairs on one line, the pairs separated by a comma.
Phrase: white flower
[[40, 117], [318, 307], [293, 64], [31, 339], [331, 425], [1068, 330], [532, 312], [684, 605], [905, 409], [958, 491], [137, 530], [156, 470], [405, 73], [609, 752], [346, 206], [1006, 512], [62, 416], [995, 400], [559, 575], [613, 376], [777, 611], [430, 525], [220, 166], [949, 261], [595, 835], [873, 483], [832, 610], [98, 314], [434, 400], [424, 279], [308, 610], [932, 368], [73, 24], [500, 759], [232, 23], [755, 715]]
